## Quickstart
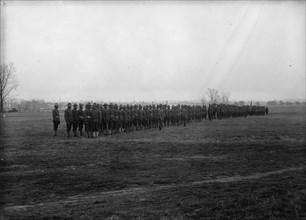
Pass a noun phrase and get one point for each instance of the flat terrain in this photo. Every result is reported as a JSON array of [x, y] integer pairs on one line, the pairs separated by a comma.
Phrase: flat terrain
[[236, 168]]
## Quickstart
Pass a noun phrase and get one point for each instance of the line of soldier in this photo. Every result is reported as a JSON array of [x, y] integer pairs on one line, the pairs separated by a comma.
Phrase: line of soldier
[[219, 111], [111, 119]]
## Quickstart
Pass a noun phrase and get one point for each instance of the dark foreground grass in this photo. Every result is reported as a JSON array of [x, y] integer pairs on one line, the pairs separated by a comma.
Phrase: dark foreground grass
[[156, 174]]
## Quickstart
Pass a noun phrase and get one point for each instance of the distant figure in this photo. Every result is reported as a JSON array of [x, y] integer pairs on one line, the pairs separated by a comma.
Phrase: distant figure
[[56, 118], [267, 110], [69, 119]]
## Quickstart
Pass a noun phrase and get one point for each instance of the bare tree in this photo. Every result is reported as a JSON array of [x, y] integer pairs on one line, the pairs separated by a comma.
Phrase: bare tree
[[212, 95], [225, 97], [203, 99], [8, 82], [241, 102], [218, 98]]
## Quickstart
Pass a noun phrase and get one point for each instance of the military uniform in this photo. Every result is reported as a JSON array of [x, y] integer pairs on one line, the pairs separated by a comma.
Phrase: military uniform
[[87, 119], [105, 119], [95, 118], [81, 119], [69, 119], [75, 114], [56, 118]]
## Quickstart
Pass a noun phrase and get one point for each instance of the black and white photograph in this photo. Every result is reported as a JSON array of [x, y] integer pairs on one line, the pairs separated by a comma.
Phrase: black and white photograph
[[150, 109]]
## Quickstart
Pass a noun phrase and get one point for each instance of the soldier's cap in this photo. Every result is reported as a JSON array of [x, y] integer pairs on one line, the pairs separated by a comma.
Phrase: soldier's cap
[[75, 104], [105, 104], [56, 104], [81, 104], [69, 104]]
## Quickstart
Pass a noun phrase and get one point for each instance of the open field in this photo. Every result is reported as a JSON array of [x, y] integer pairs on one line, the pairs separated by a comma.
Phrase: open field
[[237, 168]]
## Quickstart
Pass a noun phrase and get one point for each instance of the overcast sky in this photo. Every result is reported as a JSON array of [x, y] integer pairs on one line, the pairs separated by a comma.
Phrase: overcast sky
[[146, 51]]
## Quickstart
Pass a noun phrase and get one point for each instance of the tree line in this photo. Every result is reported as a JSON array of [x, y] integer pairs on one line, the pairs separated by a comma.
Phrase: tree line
[[285, 103]]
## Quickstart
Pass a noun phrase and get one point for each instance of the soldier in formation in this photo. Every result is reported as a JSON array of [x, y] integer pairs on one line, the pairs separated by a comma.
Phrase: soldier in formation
[[109, 119], [69, 119]]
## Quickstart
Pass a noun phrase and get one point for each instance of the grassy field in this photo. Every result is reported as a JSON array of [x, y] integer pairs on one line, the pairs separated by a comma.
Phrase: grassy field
[[237, 168]]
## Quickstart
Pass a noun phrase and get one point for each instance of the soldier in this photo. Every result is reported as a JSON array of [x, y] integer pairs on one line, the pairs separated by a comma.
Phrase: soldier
[[210, 112], [81, 119], [139, 117], [145, 117], [129, 118], [105, 119], [75, 124], [69, 119], [112, 121], [100, 124], [56, 118], [117, 118], [160, 117], [151, 116], [174, 115], [135, 117], [266, 110], [87, 119], [95, 118], [166, 114], [155, 116], [184, 115]]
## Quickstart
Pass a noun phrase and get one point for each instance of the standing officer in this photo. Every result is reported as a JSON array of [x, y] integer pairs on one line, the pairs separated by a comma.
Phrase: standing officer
[[68, 118], [56, 118]]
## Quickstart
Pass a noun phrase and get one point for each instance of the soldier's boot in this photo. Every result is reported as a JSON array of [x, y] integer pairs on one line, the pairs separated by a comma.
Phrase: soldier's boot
[[81, 133], [55, 133], [88, 134], [75, 133], [68, 134]]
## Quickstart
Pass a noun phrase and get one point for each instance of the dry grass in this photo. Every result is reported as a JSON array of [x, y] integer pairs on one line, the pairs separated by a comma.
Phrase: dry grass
[[150, 174]]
